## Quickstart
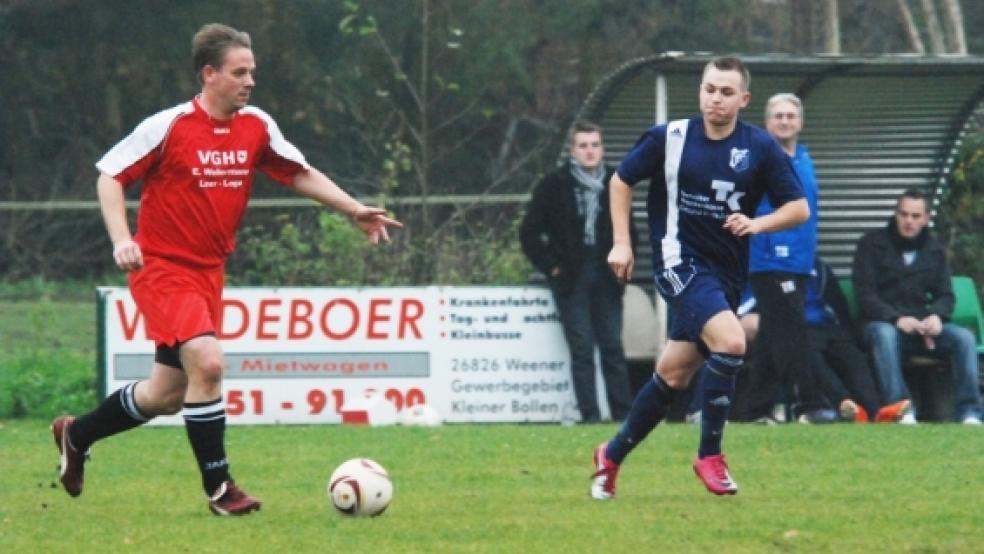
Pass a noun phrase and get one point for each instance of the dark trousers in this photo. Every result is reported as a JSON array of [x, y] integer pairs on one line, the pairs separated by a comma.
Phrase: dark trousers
[[841, 368], [591, 313], [782, 359]]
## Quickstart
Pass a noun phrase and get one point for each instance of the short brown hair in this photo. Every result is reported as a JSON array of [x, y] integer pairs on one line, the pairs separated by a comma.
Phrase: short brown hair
[[583, 126], [914, 194], [212, 41], [731, 63]]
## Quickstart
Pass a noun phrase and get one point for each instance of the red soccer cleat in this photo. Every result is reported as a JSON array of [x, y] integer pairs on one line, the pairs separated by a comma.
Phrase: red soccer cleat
[[72, 470], [893, 412], [606, 472], [713, 471], [230, 500]]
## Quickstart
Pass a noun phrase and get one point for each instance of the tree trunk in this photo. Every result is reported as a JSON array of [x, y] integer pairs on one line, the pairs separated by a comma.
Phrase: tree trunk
[[831, 28], [953, 22], [933, 29], [911, 31], [424, 112], [802, 26]]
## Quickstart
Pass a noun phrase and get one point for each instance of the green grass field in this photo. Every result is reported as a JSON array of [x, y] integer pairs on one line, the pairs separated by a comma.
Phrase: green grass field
[[508, 488]]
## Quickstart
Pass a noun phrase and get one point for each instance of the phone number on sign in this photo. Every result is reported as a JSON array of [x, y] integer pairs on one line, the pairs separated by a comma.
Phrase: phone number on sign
[[316, 401]]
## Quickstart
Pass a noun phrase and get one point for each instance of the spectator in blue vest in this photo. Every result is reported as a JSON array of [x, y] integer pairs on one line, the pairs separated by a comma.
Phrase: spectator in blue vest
[[779, 266]]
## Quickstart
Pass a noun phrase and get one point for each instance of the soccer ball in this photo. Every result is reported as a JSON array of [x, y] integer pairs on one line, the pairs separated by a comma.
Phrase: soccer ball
[[360, 487], [421, 414]]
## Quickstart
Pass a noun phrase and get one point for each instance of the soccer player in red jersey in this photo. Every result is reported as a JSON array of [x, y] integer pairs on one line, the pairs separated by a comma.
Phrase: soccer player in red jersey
[[197, 162]]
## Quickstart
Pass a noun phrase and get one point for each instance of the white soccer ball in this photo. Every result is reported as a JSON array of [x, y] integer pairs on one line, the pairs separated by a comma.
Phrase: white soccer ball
[[421, 414], [360, 487]]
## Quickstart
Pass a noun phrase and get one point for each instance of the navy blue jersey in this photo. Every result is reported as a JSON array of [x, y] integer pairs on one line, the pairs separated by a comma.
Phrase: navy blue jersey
[[696, 183]]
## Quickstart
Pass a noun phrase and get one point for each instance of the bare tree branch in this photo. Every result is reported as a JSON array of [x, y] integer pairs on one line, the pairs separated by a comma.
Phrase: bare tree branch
[[395, 62], [831, 28], [911, 31], [933, 28], [953, 22]]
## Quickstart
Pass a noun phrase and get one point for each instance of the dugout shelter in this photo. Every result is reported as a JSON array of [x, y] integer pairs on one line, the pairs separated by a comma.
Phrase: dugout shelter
[[875, 126]]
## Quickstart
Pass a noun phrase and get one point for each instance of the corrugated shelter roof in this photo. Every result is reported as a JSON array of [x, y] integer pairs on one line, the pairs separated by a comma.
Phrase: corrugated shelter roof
[[875, 126]]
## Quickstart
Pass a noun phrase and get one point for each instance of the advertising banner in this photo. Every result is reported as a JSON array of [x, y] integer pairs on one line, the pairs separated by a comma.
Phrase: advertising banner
[[295, 355]]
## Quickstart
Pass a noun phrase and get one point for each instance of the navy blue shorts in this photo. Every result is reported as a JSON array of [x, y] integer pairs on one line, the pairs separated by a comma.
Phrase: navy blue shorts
[[694, 295]]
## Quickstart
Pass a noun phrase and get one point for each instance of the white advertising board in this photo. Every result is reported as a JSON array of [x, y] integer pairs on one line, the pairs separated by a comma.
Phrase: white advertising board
[[294, 355]]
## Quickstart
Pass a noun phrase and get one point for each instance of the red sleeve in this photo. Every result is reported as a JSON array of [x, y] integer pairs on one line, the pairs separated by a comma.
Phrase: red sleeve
[[137, 171], [278, 167]]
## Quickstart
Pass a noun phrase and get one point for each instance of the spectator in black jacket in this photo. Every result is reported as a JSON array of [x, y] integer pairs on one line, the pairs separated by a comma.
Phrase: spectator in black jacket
[[905, 299], [567, 234]]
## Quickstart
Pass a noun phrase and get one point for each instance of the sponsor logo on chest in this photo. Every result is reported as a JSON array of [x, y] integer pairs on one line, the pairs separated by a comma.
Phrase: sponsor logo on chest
[[225, 169], [223, 157]]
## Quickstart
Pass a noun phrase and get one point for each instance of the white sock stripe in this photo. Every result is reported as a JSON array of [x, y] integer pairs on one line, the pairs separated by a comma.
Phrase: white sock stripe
[[204, 409], [728, 359], [129, 403], [201, 416], [206, 417]]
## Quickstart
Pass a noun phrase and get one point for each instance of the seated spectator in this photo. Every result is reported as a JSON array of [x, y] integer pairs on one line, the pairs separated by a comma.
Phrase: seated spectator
[[837, 365], [840, 368], [905, 299]]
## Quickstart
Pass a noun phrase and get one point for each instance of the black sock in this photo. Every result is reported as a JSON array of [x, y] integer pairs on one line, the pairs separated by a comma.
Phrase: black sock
[[205, 424], [117, 413]]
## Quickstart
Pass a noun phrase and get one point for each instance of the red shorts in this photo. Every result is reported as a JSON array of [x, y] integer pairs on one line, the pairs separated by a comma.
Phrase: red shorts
[[178, 303]]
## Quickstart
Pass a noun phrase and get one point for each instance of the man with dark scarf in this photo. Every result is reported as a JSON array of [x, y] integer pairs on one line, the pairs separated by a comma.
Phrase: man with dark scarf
[[567, 234], [905, 298]]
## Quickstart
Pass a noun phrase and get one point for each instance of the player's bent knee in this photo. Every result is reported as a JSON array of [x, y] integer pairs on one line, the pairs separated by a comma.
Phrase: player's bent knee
[[208, 371], [675, 379], [732, 347]]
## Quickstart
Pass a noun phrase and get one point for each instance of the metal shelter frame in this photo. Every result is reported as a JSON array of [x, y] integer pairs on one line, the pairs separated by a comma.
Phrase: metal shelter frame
[[875, 126]]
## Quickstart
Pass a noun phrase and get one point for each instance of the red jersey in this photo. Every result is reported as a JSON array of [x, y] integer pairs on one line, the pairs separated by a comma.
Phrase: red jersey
[[197, 174]]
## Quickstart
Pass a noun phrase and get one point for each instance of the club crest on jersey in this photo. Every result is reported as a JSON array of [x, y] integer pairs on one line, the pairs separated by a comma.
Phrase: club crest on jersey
[[739, 159]]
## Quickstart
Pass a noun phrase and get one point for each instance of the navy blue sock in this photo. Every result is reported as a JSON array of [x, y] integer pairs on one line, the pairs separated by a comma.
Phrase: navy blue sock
[[718, 391], [648, 409]]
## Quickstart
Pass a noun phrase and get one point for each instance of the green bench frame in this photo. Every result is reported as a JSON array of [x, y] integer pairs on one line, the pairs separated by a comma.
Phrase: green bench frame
[[967, 310]]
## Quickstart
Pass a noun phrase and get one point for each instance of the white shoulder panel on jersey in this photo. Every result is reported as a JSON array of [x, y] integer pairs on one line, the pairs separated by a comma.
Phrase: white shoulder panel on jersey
[[148, 135], [278, 143], [676, 135]]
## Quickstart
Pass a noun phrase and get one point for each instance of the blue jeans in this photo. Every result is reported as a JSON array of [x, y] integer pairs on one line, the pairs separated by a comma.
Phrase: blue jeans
[[591, 313], [889, 347]]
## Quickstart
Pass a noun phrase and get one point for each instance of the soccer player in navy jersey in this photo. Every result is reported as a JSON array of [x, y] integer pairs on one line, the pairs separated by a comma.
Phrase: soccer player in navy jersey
[[197, 162], [708, 175]]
